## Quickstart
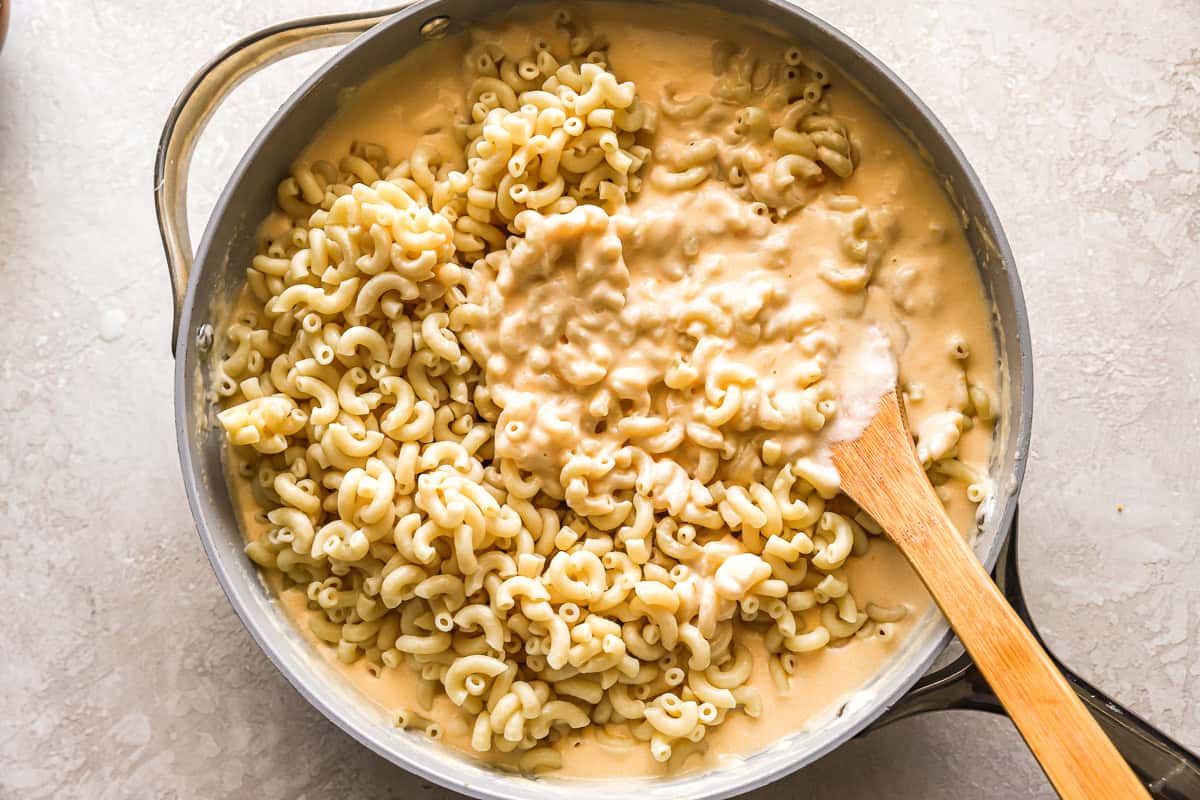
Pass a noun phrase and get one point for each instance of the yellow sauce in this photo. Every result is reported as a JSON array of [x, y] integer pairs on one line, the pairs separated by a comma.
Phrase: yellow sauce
[[925, 291]]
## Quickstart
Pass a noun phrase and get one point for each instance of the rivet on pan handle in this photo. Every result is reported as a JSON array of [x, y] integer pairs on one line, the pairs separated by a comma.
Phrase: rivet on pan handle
[[203, 95], [1167, 769]]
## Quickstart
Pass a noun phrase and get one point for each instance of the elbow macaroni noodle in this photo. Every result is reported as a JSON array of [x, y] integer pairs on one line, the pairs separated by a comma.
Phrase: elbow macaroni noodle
[[491, 457]]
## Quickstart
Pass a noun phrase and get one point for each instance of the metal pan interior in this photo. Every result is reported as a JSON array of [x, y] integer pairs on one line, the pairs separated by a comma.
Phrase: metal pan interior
[[218, 273]]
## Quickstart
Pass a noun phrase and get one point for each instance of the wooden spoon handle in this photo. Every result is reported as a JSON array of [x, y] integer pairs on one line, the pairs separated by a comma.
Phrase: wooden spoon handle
[[1078, 758], [881, 472]]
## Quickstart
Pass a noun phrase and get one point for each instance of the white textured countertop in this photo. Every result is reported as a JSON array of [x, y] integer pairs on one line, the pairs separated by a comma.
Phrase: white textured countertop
[[123, 670]]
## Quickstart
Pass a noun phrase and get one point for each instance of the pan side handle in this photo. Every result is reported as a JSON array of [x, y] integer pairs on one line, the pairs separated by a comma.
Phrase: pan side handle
[[1168, 769], [195, 105]]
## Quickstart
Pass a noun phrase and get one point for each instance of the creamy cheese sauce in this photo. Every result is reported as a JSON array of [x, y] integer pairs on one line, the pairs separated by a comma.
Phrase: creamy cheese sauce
[[819, 686], [924, 293]]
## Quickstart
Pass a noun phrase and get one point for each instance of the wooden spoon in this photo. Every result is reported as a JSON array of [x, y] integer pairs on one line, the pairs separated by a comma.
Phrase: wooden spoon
[[881, 472]]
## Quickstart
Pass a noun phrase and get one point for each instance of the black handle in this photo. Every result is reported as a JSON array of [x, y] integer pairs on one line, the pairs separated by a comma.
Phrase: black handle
[[1168, 770]]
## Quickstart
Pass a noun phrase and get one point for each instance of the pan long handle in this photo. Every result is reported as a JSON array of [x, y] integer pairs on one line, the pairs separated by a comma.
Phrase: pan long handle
[[203, 95], [1167, 769]]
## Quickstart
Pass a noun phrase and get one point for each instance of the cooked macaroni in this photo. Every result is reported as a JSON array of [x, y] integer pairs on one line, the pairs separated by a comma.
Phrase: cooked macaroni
[[542, 419]]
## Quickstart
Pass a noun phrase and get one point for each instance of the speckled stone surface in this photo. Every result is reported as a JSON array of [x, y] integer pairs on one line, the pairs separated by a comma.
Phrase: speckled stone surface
[[123, 670]]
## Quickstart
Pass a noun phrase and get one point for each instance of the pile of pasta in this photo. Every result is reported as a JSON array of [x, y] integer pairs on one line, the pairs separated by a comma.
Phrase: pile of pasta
[[359, 401]]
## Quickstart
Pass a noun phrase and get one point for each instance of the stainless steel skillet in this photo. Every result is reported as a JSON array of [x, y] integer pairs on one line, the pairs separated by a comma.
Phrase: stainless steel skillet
[[203, 287]]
